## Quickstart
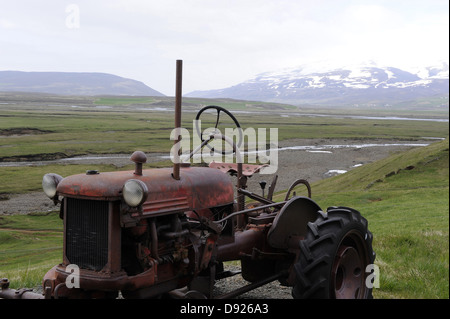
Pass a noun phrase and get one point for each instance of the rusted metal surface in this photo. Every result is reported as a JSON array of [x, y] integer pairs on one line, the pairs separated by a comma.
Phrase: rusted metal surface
[[348, 273], [244, 242], [257, 208], [192, 191], [178, 97], [232, 168], [24, 293], [102, 186], [92, 280], [348, 270], [138, 158], [292, 221], [298, 182]]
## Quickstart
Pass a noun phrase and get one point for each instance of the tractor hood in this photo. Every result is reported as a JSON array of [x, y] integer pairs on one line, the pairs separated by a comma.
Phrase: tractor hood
[[198, 187]]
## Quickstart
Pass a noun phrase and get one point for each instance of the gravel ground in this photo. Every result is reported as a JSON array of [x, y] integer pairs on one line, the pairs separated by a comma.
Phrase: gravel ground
[[313, 165], [272, 290]]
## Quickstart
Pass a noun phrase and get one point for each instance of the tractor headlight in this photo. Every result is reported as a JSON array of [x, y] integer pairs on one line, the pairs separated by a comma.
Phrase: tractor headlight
[[49, 184], [134, 192]]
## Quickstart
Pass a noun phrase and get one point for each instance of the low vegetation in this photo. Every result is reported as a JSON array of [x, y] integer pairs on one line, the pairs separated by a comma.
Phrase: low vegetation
[[29, 246], [34, 130], [406, 200]]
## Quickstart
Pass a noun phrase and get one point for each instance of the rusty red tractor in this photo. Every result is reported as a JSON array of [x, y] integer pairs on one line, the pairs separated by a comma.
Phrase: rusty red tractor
[[148, 233]]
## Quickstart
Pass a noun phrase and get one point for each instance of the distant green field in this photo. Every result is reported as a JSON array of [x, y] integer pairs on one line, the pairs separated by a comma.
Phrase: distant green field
[[54, 129], [123, 100], [30, 131]]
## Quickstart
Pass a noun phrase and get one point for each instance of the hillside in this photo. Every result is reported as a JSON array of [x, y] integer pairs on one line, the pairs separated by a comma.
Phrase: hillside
[[406, 165], [353, 85], [72, 83], [405, 199]]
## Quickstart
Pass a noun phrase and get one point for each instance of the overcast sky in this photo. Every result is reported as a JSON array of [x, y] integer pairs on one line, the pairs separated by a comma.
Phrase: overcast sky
[[221, 42]]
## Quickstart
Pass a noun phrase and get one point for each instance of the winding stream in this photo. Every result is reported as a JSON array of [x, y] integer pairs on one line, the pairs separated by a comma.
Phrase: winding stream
[[125, 158]]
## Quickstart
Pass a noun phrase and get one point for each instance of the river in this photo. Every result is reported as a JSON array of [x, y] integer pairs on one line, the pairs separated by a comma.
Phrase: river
[[124, 159]]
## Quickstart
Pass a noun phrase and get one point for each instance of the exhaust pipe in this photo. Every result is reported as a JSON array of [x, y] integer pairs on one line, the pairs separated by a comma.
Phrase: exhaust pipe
[[24, 293], [178, 94]]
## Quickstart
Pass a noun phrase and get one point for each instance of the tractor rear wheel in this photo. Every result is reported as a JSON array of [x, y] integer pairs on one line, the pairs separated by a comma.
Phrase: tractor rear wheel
[[334, 257]]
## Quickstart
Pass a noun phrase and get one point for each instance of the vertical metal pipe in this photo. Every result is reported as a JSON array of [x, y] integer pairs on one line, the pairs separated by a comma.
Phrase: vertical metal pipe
[[241, 184], [178, 94], [154, 244]]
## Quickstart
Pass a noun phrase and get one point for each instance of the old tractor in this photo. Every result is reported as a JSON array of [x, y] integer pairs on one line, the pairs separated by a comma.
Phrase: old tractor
[[148, 233]]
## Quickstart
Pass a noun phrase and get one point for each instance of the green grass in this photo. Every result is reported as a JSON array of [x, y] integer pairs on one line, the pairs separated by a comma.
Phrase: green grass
[[29, 246], [76, 133], [68, 132], [408, 214]]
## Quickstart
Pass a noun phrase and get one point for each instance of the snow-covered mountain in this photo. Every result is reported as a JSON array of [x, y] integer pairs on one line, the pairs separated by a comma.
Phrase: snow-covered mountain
[[362, 84]]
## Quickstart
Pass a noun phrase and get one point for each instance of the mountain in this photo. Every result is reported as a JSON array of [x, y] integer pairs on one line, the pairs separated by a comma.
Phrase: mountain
[[364, 84], [72, 83]]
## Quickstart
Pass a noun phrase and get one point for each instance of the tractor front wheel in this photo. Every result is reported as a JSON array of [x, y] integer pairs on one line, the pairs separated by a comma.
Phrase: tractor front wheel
[[334, 257]]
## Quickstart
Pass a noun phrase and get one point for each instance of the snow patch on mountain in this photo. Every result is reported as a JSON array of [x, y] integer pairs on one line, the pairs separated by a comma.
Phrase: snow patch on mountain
[[324, 83]]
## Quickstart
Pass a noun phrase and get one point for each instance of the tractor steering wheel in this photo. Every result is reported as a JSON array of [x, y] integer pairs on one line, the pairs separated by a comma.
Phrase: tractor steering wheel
[[219, 109]]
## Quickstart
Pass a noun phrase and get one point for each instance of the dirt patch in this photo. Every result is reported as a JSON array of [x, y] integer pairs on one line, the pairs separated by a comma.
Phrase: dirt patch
[[33, 158], [27, 203], [22, 131]]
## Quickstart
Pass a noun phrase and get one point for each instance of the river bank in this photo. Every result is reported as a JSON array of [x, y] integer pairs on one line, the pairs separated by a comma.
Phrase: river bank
[[310, 159]]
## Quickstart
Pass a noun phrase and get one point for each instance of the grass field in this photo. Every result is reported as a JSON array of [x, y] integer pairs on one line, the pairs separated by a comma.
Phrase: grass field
[[29, 246], [408, 214], [404, 197], [51, 130]]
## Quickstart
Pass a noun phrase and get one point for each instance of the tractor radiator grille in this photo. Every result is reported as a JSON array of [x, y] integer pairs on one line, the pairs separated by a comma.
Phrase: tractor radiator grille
[[87, 233]]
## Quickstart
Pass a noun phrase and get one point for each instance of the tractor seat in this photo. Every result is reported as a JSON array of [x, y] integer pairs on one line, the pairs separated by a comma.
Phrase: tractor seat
[[231, 168]]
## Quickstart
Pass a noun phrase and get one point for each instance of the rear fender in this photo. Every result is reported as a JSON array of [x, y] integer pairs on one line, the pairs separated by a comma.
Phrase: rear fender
[[292, 221]]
